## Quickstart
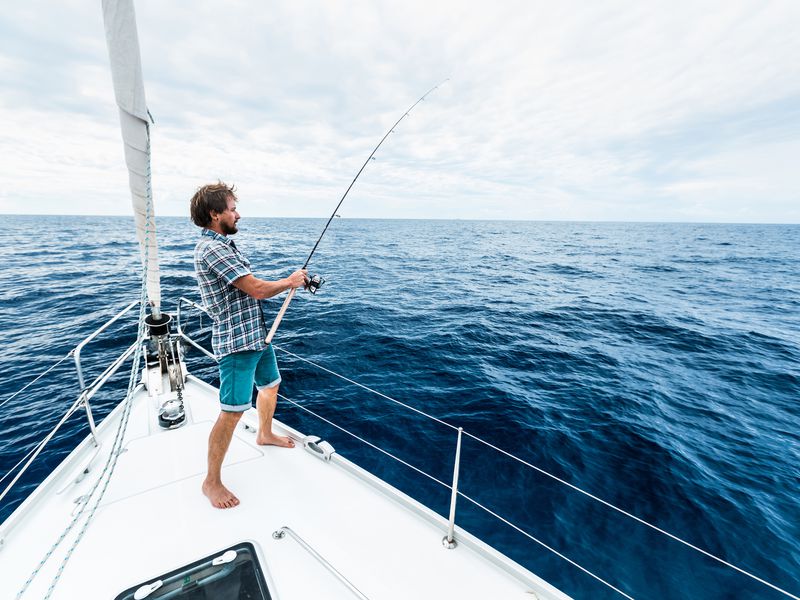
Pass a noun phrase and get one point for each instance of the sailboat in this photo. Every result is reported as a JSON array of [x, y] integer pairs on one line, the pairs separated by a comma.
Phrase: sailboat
[[122, 516]]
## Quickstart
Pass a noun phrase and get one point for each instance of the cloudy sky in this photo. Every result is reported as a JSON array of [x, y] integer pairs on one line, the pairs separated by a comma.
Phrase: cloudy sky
[[643, 111]]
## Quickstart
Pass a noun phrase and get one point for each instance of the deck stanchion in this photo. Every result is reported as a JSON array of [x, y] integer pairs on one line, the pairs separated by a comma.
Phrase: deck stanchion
[[90, 417], [81, 381], [448, 541]]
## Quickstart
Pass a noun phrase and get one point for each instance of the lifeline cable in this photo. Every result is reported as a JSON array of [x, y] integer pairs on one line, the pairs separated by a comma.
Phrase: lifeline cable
[[529, 465], [30, 383]]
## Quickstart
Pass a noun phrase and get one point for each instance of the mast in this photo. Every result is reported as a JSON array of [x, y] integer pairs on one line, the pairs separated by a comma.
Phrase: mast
[[126, 71]]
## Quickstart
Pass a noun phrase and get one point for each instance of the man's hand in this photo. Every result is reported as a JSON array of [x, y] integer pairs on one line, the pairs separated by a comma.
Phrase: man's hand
[[260, 289], [298, 279]]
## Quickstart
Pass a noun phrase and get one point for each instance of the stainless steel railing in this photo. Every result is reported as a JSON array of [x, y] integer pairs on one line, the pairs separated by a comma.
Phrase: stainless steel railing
[[281, 533], [86, 393], [179, 324], [106, 374]]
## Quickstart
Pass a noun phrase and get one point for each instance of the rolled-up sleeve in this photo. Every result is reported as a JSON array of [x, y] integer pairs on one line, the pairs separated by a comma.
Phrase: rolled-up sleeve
[[223, 262]]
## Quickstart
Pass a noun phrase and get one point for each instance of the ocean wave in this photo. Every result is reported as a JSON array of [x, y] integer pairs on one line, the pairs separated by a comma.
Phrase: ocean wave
[[661, 376]]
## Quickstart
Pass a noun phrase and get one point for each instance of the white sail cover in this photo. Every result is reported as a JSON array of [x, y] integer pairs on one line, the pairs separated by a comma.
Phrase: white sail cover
[[126, 71]]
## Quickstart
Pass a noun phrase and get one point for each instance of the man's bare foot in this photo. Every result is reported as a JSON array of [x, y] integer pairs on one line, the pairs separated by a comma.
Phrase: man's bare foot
[[219, 495], [270, 439]]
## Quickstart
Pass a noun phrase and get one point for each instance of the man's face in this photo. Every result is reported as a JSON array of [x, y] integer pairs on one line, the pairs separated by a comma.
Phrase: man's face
[[228, 219]]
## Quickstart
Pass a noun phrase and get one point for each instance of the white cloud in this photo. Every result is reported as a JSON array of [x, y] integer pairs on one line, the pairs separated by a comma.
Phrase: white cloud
[[608, 110]]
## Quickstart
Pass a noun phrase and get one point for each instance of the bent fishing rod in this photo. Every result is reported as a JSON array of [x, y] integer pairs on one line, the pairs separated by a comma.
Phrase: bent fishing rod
[[317, 281]]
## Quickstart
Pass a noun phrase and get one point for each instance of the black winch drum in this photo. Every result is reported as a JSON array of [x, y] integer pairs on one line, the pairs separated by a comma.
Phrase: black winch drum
[[158, 325]]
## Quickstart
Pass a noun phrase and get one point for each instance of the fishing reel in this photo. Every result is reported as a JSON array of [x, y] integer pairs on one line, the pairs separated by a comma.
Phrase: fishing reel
[[314, 284]]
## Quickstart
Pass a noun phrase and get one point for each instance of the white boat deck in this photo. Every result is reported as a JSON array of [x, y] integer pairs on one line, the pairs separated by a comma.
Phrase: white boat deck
[[153, 519]]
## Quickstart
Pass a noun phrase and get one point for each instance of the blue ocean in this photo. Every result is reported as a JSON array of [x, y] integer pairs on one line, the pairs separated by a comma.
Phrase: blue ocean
[[655, 366]]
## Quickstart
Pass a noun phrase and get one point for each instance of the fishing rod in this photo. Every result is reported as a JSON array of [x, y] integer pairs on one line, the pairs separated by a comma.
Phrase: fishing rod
[[316, 281]]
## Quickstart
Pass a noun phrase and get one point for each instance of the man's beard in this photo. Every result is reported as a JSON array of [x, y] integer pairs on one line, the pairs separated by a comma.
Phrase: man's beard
[[228, 229]]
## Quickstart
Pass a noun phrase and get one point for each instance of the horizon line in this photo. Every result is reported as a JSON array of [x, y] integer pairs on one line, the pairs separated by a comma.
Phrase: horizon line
[[510, 220]]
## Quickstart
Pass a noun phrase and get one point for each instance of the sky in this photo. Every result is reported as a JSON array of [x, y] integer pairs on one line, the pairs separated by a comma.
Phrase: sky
[[588, 111]]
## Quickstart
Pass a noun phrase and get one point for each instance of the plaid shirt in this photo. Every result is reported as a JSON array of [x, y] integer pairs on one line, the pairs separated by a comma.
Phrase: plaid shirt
[[238, 320]]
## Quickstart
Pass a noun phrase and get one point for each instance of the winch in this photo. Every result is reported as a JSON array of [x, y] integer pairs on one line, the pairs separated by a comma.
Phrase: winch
[[163, 357]]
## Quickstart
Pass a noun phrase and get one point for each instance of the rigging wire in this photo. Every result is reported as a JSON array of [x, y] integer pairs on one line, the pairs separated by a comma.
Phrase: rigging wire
[[105, 475], [403, 404], [30, 383], [40, 446], [31, 451], [634, 517], [545, 546]]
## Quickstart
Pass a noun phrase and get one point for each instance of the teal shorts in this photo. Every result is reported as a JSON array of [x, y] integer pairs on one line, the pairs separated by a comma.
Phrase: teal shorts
[[239, 371]]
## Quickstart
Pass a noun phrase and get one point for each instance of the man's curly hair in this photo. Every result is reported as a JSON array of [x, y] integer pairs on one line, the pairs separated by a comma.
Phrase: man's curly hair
[[210, 198]]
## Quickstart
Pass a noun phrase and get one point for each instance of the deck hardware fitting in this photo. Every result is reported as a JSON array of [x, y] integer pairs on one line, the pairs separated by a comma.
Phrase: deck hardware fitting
[[227, 557], [281, 533], [147, 589], [78, 502], [318, 447]]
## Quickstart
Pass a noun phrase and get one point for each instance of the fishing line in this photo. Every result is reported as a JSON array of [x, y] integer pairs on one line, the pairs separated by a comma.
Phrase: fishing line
[[366, 162], [316, 280]]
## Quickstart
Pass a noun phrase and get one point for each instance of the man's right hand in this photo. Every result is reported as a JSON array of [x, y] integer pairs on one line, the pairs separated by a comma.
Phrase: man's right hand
[[298, 279]]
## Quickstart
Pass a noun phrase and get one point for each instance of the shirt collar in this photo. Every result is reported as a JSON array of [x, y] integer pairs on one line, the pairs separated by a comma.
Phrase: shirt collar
[[218, 236]]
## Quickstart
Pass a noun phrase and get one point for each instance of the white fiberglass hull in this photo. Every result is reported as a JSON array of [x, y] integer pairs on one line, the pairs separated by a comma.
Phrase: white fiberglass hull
[[153, 518]]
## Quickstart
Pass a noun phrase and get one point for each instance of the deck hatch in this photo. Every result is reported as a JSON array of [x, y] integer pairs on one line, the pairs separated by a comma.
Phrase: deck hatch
[[230, 574]]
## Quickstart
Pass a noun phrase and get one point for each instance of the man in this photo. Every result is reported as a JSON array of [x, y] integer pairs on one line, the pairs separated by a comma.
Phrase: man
[[232, 295]]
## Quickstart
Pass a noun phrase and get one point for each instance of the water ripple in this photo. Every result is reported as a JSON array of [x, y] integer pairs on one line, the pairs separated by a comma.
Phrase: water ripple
[[654, 365]]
